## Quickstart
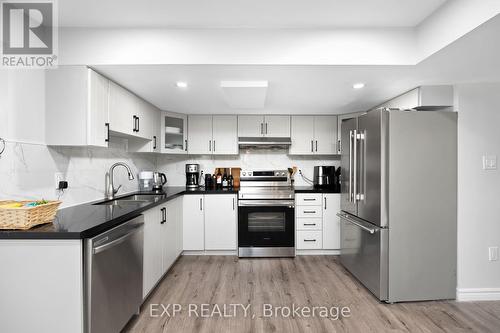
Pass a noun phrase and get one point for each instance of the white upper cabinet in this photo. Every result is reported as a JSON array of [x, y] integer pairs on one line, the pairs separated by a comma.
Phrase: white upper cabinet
[[212, 135], [277, 126], [302, 135], [264, 126], [76, 107], [200, 134], [149, 126], [424, 97], [225, 135], [174, 129], [250, 126], [325, 135], [220, 221], [129, 115], [314, 135], [122, 110]]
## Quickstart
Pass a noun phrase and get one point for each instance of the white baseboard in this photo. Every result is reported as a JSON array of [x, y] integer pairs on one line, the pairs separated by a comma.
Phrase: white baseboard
[[317, 252], [210, 253], [478, 294]]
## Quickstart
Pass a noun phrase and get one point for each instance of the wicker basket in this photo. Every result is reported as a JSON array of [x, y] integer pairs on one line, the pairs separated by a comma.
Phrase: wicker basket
[[24, 218]]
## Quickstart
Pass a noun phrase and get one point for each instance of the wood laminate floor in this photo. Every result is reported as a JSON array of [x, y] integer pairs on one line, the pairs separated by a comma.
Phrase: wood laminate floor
[[304, 281]]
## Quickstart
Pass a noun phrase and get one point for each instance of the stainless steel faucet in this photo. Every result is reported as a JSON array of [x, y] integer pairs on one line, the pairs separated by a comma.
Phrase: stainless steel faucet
[[111, 191]]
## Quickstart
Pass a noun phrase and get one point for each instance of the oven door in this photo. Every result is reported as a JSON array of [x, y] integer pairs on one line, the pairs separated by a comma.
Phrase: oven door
[[266, 224]]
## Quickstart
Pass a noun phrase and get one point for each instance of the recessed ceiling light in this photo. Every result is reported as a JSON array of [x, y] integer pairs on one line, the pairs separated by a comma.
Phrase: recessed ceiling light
[[358, 85], [181, 84]]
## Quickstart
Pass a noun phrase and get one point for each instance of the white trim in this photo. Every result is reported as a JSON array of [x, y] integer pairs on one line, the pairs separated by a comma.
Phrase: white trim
[[478, 294], [210, 253], [317, 252]]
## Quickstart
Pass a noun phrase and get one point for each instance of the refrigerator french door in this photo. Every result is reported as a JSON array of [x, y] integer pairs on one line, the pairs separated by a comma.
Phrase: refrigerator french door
[[364, 233]]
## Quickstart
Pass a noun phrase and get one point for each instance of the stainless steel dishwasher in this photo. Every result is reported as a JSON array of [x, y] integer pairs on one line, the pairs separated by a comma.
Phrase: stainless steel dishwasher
[[113, 277]]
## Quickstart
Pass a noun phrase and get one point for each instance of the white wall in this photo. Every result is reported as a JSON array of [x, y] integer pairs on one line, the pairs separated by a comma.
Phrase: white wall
[[478, 191], [174, 166]]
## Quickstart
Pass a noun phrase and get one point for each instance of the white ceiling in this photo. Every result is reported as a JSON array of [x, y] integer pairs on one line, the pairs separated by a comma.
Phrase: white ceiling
[[313, 89], [244, 13]]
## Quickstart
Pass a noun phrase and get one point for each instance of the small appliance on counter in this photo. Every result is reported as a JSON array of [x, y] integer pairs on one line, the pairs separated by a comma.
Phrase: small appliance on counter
[[150, 181], [146, 181], [324, 177], [192, 175], [159, 180]]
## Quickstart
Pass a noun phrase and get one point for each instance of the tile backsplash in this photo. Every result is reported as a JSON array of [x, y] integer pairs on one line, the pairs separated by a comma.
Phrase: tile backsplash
[[173, 166]]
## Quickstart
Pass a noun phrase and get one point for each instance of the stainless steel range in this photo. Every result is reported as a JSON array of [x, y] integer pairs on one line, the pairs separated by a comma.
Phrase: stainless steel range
[[266, 214]]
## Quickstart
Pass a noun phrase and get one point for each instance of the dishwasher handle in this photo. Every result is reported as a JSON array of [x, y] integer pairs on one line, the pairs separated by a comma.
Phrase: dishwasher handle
[[113, 243]]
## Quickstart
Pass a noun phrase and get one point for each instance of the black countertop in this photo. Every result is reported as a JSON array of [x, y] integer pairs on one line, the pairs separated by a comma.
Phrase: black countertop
[[312, 189], [88, 220]]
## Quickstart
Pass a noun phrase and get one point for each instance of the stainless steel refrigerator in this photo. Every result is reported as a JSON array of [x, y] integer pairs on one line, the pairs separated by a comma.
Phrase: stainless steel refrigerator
[[399, 203]]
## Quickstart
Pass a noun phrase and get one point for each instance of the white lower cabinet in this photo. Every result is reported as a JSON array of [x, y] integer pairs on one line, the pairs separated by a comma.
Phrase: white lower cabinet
[[193, 236], [209, 222], [162, 245], [331, 222], [317, 225], [220, 222]]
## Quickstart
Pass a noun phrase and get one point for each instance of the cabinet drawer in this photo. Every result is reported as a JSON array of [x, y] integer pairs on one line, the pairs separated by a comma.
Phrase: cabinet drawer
[[311, 199], [305, 223], [309, 211], [309, 239]]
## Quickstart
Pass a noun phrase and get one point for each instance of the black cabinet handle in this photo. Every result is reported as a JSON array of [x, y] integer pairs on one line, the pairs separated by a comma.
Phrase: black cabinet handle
[[135, 124], [309, 223], [186, 141], [154, 142], [107, 135], [325, 203], [316, 145], [163, 215], [309, 240], [266, 128], [307, 199], [138, 124], [309, 212]]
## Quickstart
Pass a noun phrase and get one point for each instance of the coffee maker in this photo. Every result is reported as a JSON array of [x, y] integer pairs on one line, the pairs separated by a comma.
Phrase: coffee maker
[[192, 175]]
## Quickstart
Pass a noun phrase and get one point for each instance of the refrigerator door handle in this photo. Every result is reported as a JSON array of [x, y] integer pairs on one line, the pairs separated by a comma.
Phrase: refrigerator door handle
[[360, 196], [355, 162], [350, 166], [356, 223]]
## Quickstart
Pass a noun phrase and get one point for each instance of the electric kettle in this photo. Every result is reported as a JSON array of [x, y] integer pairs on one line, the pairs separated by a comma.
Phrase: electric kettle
[[159, 179]]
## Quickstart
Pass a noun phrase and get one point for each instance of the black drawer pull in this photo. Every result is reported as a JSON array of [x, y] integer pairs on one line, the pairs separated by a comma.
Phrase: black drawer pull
[[309, 240], [309, 223], [309, 212], [306, 199]]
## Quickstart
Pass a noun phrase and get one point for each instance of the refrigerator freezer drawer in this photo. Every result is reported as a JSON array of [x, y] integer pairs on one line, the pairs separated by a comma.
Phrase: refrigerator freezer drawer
[[364, 254]]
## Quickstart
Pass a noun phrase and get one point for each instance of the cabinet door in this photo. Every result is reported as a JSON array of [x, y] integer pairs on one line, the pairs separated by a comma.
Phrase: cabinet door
[[145, 123], [168, 236], [200, 135], [122, 109], [302, 135], [277, 126], [156, 142], [325, 135], [98, 116], [250, 126], [220, 221], [331, 222], [174, 138], [225, 135], [193, 229], [152, 256]]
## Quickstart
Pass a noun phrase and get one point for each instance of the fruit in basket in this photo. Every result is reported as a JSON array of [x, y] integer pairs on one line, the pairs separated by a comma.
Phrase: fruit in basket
[[12, 205]]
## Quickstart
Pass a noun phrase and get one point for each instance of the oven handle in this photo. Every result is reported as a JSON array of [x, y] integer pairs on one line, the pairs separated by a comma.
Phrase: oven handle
[[266, 203]]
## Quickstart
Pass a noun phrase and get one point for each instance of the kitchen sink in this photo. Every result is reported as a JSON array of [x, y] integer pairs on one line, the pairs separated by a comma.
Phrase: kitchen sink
[[130, 200]]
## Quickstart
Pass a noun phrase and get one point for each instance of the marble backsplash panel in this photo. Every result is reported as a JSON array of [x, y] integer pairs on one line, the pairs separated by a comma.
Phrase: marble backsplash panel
[[27, 171], [174, 165]]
